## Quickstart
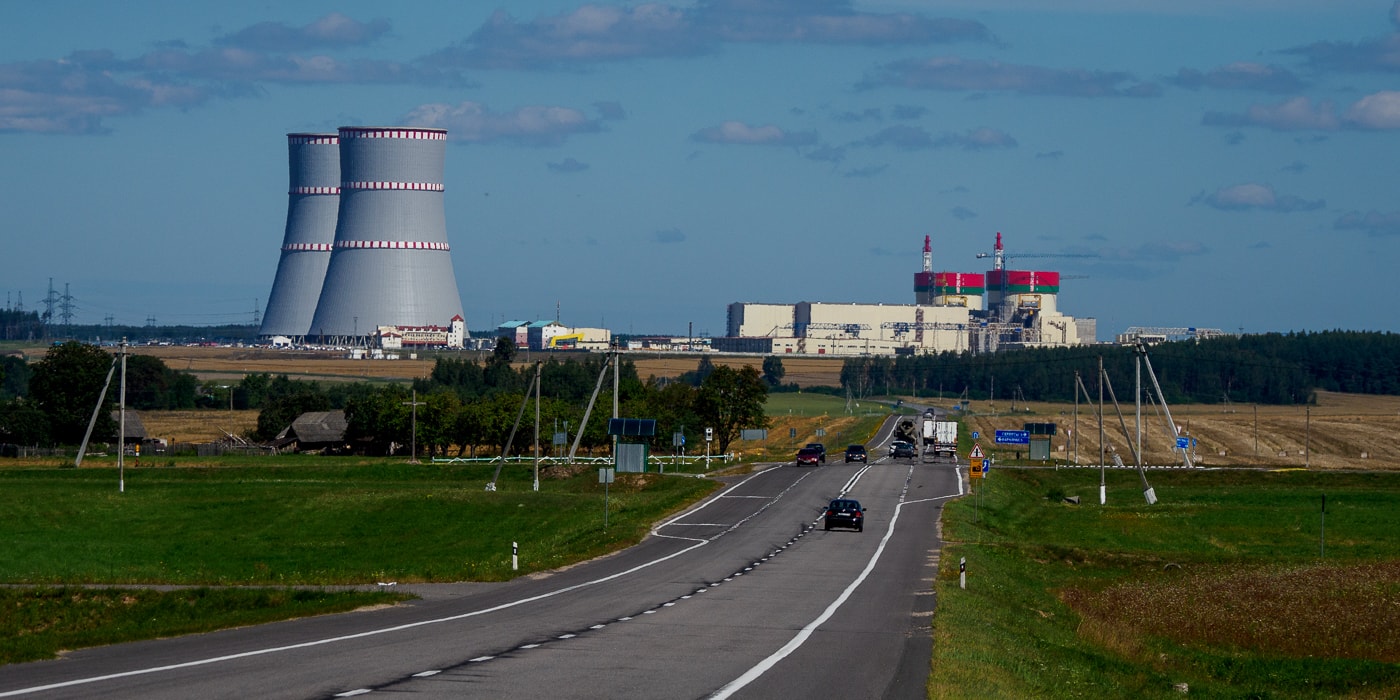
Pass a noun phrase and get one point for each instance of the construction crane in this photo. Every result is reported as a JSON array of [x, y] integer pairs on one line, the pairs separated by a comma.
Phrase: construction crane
[[999, 255]]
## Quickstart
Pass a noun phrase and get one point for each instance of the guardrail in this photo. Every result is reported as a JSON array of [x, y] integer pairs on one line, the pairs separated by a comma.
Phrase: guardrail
[[661, 461]]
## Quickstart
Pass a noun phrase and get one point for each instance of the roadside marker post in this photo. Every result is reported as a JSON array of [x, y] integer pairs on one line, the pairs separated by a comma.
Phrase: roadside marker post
[[1322, 536], [605, 477], [962, 573], [514, 556]]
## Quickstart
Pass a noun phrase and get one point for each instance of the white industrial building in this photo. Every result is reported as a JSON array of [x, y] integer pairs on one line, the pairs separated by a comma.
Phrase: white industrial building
[[1022, 311]]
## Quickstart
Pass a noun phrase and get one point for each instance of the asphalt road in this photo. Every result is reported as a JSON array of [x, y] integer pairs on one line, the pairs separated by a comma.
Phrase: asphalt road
[[744, 596]]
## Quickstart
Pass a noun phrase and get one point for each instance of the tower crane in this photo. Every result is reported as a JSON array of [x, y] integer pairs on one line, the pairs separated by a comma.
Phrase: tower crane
[[999, 255]]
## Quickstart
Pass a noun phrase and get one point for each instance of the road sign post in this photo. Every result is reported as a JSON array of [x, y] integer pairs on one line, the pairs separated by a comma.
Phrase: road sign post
[[962, 573]]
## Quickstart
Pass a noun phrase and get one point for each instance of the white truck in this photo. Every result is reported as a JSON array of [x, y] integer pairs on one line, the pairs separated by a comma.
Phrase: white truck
[[940, 437]]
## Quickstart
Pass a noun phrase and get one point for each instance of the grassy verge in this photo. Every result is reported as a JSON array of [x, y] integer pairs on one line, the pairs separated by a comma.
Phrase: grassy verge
[[315, 520], [1219, 589], [39, 623]]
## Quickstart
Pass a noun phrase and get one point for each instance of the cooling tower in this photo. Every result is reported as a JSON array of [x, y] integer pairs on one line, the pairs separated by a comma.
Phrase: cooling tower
[[312, 201], [390, 264]]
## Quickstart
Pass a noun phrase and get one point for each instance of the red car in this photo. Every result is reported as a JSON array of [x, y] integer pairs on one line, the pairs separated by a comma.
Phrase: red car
[[809, 456]]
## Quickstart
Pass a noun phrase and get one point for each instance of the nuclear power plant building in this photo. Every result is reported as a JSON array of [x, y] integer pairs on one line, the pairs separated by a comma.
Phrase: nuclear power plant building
[[388, 263], [953, 312]]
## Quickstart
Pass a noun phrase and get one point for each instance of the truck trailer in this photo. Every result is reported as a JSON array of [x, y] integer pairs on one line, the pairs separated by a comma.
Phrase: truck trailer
[[940, 437]]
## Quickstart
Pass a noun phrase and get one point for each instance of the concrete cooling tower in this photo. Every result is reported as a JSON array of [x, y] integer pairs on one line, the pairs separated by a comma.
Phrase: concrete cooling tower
[[390, 263], [312, 201]]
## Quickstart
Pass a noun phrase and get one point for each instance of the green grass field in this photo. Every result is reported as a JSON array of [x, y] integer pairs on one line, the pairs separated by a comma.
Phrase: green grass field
[[1222, 588], [42, 621], [323, 521], [807, 404], [294, 521]]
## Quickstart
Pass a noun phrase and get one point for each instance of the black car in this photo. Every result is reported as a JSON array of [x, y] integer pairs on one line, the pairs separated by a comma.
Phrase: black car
[[844, 512], [901, 449], [820, 448], [855, 453]]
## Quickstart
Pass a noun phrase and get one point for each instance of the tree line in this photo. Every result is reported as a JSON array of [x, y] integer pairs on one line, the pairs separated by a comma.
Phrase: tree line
[[466, 405], [1267, 368]]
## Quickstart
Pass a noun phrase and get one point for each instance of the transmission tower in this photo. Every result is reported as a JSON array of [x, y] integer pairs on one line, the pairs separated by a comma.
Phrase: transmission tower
[[49, 300], [65, 308]]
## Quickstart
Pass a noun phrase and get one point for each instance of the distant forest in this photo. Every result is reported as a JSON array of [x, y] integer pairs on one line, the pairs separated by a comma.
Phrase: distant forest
[[1270, 368]]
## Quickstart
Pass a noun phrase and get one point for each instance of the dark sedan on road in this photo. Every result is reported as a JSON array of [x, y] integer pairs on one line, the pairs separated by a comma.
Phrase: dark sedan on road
[[902, 450], [844, 512], [855, 453]]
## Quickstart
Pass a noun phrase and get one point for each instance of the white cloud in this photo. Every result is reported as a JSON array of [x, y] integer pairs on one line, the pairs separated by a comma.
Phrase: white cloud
[[594, 33], [1240, 76], [1253, 195], [474, 122], [1298, 113], [1374, 223], [959, 74], [332, 30], [736, 132], [1377, 111]]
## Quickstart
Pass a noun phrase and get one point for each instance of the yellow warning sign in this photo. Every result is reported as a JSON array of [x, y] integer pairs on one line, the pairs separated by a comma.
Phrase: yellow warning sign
[[976, 464]]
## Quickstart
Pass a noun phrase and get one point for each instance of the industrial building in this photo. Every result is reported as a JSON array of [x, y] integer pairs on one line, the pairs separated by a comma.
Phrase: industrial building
[[387, 263], [953, 312], [553, 335], [453, 335]]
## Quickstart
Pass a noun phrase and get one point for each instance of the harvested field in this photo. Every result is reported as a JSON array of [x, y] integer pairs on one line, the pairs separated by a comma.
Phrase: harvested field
[[198, 426], [233, 363], [1344, 431]]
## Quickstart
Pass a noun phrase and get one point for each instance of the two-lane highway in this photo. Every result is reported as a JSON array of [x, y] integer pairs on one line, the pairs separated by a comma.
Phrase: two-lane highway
[[742, 596]]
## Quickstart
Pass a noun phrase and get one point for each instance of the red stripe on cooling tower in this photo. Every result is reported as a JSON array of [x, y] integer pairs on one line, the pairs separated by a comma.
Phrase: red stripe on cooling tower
[[300, 140], [298, 247], [425, 134], [418, 186], [395, 245], [314, 190]]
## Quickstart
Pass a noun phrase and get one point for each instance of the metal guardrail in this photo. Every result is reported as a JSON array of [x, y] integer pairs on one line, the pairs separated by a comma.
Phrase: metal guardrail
[[659, 460]]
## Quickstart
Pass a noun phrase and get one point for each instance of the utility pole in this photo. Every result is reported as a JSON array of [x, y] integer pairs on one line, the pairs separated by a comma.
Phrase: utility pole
[[1103, 477], [1101, 451], [538, 372], [615, 414], [1076, 416], [1307, 437], [121, 428], [413, 439], [1137, 392]]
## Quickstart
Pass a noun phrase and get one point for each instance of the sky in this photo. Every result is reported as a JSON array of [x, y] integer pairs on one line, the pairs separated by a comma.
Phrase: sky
[[1227, 164]]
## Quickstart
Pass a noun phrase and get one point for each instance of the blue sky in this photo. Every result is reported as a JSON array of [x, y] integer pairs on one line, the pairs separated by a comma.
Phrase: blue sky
[[1230, 163]]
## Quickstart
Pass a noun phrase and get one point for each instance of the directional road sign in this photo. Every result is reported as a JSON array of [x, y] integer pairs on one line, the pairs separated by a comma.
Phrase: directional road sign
[[1013, 437]]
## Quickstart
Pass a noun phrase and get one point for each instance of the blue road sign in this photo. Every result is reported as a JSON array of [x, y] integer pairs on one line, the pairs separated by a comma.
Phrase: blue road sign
[[976, 435], [1013, 437], [1185, 442]]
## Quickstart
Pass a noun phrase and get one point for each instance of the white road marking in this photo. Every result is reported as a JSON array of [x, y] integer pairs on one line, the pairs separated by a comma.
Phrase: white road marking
[[480, 659], [425, 674], [353, 693], [797, 641], [399, 628]]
